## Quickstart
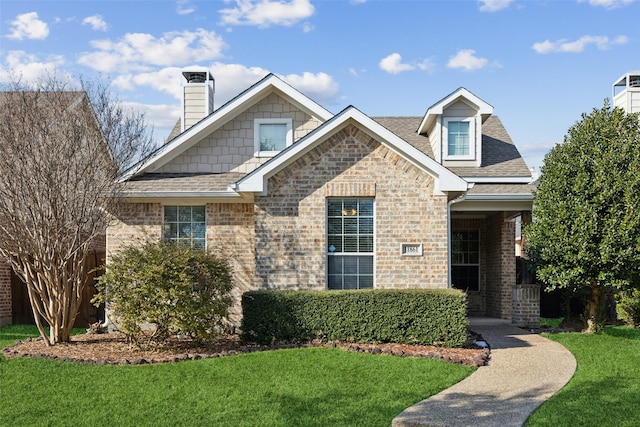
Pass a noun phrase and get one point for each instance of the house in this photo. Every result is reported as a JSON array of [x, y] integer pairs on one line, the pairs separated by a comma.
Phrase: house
[[300, 198]]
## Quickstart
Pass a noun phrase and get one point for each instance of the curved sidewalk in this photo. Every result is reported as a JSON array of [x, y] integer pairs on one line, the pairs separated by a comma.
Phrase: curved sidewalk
[[524, 370]]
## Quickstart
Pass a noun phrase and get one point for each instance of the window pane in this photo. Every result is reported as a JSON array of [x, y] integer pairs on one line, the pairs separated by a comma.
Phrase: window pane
[[334, 208], [351, 226], [335, 265], [273, 137], [350, 244], [170, 213], [350, 265], [198, 213], [366, 225], [335, 244], [458, 134], [335, 282], [366, 208], [350, 282], [366, 282], [366, 244], [366, 264], [335, 226]]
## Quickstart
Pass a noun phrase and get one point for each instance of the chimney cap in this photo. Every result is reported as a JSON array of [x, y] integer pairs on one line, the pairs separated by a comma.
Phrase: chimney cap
[[197, 74]]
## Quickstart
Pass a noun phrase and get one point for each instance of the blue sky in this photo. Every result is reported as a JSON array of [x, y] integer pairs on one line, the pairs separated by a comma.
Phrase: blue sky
[[541, 64]]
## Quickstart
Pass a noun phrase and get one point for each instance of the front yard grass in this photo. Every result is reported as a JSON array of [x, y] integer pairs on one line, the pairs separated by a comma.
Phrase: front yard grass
[[606, 386], [297, 387]]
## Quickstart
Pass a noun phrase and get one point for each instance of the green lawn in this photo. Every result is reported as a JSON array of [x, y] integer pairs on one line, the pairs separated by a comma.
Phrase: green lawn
[[297, 387], [605, 390]]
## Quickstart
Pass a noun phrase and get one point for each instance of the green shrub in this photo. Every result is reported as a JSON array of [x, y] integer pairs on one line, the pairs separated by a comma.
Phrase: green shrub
[[427, 317], [628, 306], [176, 289]]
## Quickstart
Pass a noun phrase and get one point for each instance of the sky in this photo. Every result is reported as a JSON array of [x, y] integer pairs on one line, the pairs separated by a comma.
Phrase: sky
[[540, 64]]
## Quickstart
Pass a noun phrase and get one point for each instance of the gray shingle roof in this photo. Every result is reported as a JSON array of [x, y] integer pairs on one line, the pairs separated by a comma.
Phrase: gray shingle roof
[[188, 183], [512, 189], [500, 157]]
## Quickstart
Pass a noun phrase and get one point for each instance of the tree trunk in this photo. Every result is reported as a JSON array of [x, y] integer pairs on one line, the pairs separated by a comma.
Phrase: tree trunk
[[595, 320]]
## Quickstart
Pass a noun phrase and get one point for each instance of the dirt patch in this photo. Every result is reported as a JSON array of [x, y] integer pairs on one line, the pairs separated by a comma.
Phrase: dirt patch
[[113, 348]]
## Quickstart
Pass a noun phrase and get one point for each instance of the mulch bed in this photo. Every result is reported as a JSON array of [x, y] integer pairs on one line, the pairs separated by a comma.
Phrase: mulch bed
[[113, 349]]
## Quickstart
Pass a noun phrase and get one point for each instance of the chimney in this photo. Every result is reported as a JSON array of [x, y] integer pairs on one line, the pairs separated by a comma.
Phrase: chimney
[[197, 95], [626, 92]]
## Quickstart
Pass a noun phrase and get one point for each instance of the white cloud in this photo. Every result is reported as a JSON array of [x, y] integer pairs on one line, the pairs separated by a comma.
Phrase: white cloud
[[608, 4], [427, 65], [393, 64], [494, 5], [96, 22], [140, 51], [467, 60], [320, 87], [29, 67], [577, 46], [183, 7], [28, 26], [265, 13]]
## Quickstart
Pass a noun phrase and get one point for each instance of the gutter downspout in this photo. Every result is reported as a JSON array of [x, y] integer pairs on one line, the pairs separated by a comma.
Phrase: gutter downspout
[[449, 204]]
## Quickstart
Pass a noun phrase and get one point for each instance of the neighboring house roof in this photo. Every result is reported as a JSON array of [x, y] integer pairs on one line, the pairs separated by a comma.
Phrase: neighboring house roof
[[222, 115]]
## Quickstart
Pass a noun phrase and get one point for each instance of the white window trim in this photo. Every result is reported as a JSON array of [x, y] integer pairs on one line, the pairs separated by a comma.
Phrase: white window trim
[[472, 138], [256, 134]]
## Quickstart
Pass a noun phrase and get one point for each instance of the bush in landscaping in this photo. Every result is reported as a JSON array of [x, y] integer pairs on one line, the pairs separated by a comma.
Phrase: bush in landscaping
[[426, 317], [175, 288], [628, 306]]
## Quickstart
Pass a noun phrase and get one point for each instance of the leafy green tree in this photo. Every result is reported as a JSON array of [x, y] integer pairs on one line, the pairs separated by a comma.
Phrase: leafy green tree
[[175, 288], [586, 229]]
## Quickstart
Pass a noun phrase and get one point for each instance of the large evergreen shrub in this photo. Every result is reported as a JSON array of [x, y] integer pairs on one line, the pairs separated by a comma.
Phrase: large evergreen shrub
[[174, 288]]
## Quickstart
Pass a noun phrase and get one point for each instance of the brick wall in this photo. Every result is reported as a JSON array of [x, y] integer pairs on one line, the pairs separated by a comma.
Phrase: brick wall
[[290, 221], [526, 305], [231, 148], [501, 266], [136, 222], [5, 294], [231, 233]]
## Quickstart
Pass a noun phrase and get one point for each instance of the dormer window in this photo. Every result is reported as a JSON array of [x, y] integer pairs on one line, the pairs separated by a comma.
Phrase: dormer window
[[272, 136], [459, 138]]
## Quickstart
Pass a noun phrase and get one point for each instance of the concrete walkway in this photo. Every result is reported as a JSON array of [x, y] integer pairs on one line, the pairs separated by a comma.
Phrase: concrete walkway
[[524, 370]]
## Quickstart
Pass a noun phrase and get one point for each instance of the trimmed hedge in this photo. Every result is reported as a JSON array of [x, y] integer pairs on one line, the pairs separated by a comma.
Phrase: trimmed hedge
[[412, 316]]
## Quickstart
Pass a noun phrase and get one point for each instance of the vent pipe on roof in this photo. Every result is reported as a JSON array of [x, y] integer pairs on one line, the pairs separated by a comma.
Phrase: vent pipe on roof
[[197, 95]]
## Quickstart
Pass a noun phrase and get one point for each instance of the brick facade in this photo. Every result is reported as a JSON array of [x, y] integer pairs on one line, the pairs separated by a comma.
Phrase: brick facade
[[136, 222], [5, 294], [291, 221], [231, 233]]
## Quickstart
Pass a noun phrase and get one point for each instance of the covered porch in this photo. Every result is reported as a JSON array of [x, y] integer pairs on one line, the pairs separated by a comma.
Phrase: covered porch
[[483, 253]]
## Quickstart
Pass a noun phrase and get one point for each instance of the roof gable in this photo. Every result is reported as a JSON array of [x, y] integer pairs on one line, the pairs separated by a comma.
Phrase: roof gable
[[256, 181], [460, 94], [269, 84]]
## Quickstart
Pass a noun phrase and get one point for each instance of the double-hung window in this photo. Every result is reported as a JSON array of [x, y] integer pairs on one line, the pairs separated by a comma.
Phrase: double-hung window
[[272, 136], [465, 259], [350, 243], [459, 138], [185, 225]]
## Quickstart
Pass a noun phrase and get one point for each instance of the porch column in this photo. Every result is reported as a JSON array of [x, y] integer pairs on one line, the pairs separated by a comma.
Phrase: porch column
[[501, 260], [526, 296], [5, 294]]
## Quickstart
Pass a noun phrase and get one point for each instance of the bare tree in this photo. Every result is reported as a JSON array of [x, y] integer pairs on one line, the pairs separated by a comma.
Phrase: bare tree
[[61, 151]]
